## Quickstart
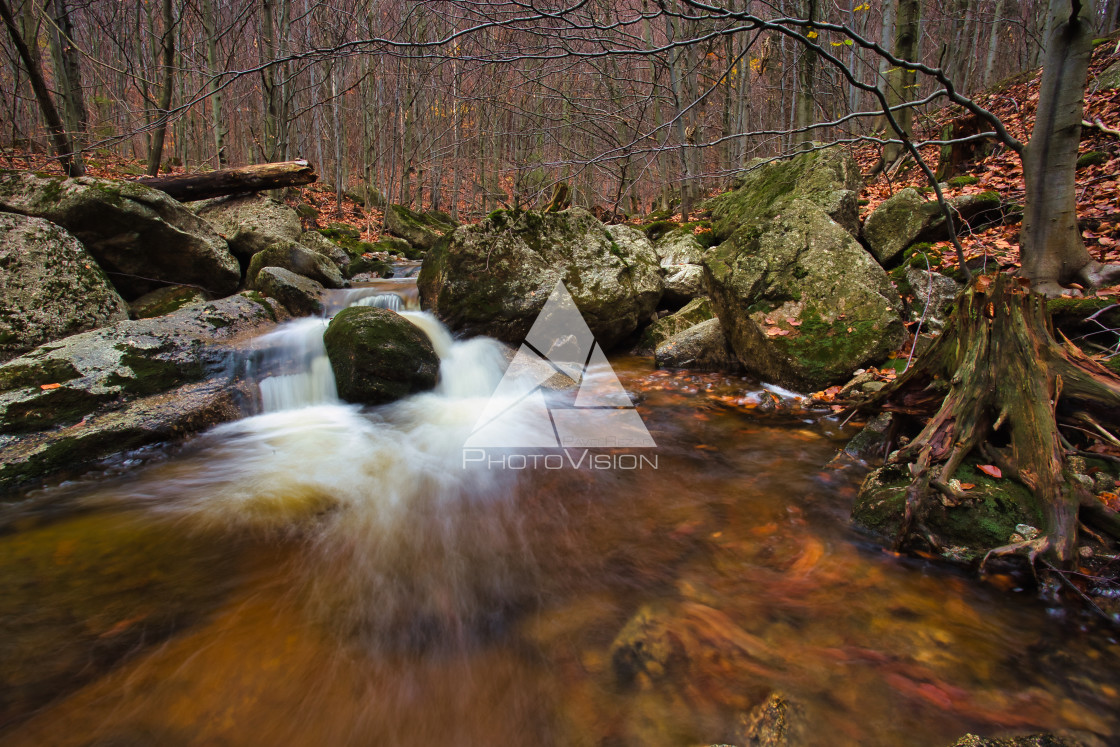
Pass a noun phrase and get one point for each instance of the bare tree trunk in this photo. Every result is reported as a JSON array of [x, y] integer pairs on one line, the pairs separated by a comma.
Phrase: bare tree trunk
[[900, 83], [64, 151], [68, 73], [155, 150], [1052, 250], [217, 121], [803, 107], [993, 43]]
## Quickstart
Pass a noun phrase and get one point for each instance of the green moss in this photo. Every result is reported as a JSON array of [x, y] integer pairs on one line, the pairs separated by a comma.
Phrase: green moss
[[151, 374], [820, 344], [657, 229], [52, 408], [50, 371], [963, 181], [1092, 158], [267, 309]]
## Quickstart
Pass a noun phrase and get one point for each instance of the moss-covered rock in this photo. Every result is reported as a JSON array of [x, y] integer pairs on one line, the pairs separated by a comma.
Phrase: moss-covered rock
[[1092, 158], [320, 244], [422, 230], [379, 356], [1109, 80], [829, 178], [399, 247], [494, 277], [252, 223], [678, 246], [897, 223], [298, 259], [165, 301], [301, 296], [369, 266], [49, 286], [802, 303], [695, 311], [702, 347], [987, 520], [964, 180], [139, 236]]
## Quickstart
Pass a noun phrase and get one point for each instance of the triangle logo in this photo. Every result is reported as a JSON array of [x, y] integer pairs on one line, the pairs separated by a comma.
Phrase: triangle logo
[[519, 413]]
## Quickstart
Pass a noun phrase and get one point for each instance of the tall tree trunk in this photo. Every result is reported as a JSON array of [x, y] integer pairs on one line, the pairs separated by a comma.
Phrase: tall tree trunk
[[167, 45], [804, 103], [993, 43], [900, 83], [68, 72], [1052, 250], [217, 121], [64, 151]]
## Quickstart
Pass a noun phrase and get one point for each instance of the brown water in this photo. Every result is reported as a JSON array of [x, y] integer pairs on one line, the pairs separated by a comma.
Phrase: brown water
[[308, 580]]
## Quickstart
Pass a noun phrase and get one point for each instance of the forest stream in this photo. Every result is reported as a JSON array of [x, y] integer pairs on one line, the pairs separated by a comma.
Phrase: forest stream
[[323, 574]]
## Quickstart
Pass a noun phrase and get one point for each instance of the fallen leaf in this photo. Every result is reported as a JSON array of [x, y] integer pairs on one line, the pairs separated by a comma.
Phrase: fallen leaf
[[967, 486], [51, 386], [990, 470]]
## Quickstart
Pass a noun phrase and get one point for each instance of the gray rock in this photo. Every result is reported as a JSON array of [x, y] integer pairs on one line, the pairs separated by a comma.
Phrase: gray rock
[[142, 238], [301, 296], [252, 223], [165, 301], [703, 347], [829, 178], [678, 247], [934, 295], [1109, 80], [100, 369], [494, 277], [379, 356], [682, 283], [867, 446], [897, 223], [802, 303], [695, 311], [50, 287], [320, 244], [298, 259], [970, 212], [422, 230]]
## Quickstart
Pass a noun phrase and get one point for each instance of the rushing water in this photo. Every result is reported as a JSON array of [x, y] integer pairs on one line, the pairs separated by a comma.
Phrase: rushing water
[[321, 573]]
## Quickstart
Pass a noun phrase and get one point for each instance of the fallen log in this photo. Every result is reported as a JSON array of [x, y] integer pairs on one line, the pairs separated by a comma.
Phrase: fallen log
[[187, 187]]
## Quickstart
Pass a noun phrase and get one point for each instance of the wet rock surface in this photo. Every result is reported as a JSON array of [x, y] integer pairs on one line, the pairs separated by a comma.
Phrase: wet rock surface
[[379, 356], [702, 347], [301, 296]]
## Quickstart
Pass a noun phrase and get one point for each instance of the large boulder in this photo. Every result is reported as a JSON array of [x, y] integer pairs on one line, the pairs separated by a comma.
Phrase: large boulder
[[802, 303], [422, 230], [49, 286], [682, 283], [301, 296], [379, 356], [679, 246], [94, 377], [252, 223], [142, 238], [906, 218], [828, 177], [165, 301], [320, 244], [494, 277], [702, 347], [298, 259]]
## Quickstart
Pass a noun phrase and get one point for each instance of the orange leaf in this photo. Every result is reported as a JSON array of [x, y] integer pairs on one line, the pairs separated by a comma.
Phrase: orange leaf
[[51, 386], [967, 486], [990, 470]]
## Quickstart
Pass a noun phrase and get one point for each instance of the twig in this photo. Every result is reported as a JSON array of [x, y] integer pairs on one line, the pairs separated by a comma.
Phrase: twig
[[1097, 124]]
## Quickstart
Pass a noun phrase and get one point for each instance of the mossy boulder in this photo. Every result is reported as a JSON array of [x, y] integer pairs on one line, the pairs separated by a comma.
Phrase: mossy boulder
[[378, 356], [828, 177], [378, 268], [1092, 158], [677, 245], [802, 303], [301, 296], [103, 368], [298, 259], [1109, 80], [50, 287], [422, 230], [165, 301], [702, 347], [399, 247], [320, 244], [695, 311], [897, 223], [970, 212], [252, 223], [986, 520], [139, 236], [494, 277]]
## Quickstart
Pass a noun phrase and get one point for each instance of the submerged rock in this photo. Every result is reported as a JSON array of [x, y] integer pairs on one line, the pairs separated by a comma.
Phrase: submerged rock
[[296, 259], [142, 238], [802, 303], [829, 178], [252, 223], [493, 278], [49, 286], [421, 230], [702, 347], [301, 296], [379, 356]]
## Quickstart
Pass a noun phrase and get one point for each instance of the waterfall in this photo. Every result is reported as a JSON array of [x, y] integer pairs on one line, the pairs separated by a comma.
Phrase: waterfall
[[298, 371], [389, 301]]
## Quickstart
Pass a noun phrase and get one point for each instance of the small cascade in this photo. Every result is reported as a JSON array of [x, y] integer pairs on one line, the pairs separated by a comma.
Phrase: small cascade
[[390, 301], [293, 367]]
